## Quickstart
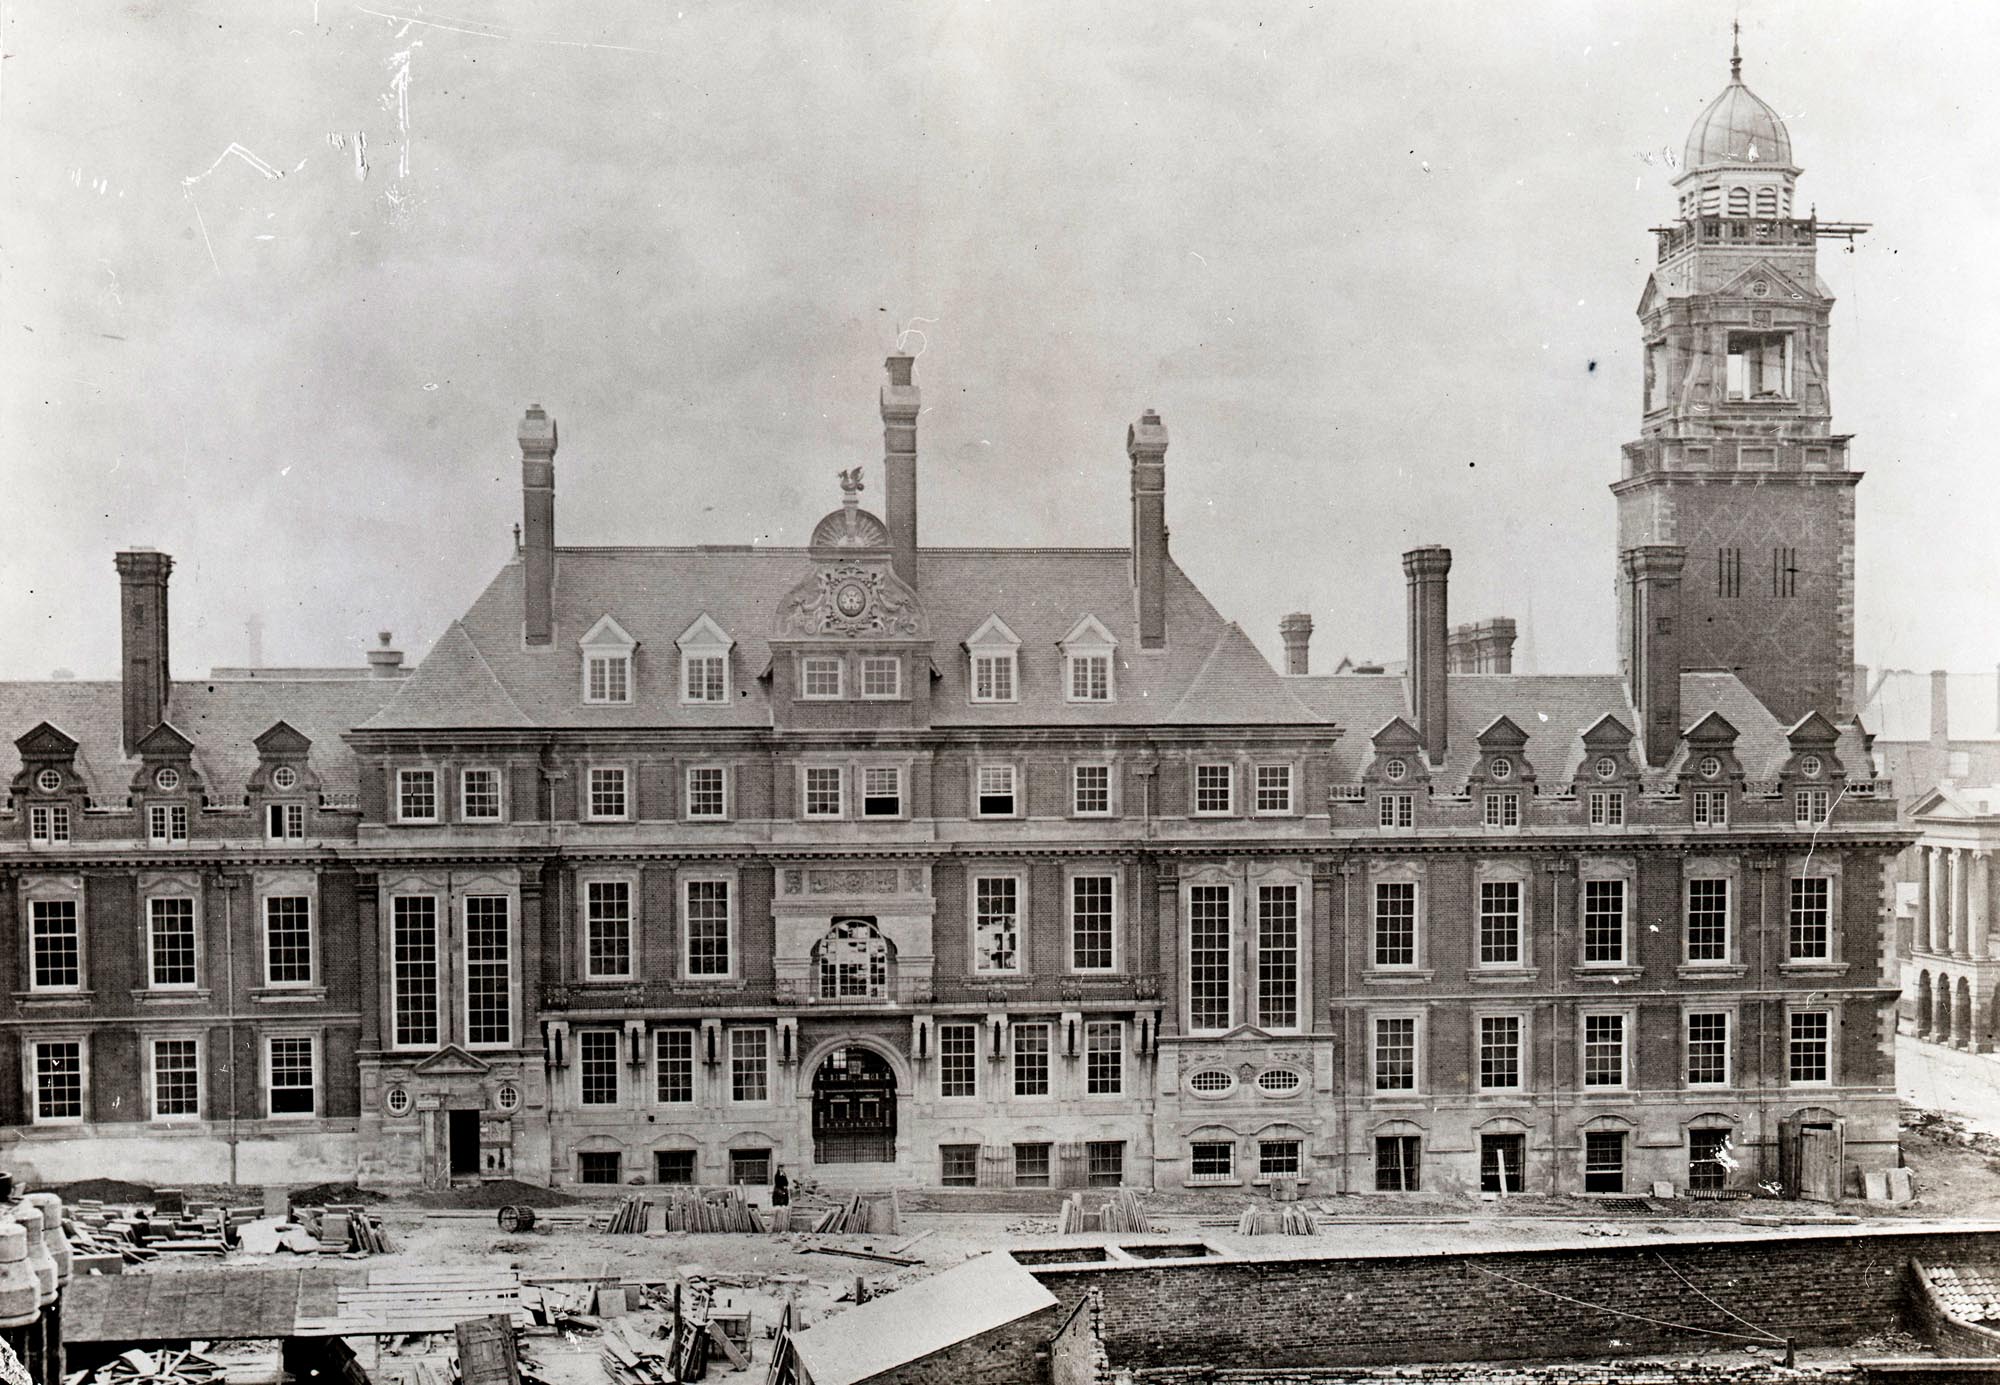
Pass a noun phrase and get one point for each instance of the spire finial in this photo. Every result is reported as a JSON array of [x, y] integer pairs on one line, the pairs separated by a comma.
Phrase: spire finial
[[1735, 50]]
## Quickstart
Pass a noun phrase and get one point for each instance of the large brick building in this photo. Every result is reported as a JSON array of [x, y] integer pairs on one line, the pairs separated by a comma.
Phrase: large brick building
[[977, 866]]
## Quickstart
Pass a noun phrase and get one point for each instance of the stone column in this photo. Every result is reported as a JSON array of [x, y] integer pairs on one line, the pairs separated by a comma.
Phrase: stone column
[[1980, 915], [1961, 880], [1933, 896]]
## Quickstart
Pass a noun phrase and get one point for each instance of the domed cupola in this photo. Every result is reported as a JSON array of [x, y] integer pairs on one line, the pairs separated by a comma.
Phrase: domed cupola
[[1737, 129]]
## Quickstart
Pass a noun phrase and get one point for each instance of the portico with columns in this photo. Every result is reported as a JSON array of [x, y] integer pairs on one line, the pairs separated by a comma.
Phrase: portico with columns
[[1951, 971]]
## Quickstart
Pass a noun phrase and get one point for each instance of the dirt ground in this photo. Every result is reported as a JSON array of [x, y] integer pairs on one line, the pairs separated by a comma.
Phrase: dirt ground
[[1956, 1175]]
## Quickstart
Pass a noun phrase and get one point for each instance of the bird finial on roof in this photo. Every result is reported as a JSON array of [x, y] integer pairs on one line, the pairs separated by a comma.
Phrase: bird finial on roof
[[1735, 50]]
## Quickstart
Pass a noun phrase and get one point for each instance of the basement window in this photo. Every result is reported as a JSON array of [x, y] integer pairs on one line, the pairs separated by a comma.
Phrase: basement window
[[1604, 1161], [1211, 1161], [1502, 1163], [599, 1166], [958, 1166], [1280, 1158], [1398, 1163], [673, 1166], [1031, 1166]]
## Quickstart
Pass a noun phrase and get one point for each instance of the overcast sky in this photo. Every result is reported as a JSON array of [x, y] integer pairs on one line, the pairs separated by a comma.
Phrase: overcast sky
[[1375, 264]]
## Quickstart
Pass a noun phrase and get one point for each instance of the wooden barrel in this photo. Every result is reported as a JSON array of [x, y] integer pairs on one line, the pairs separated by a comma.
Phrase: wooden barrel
[[514, 1218]]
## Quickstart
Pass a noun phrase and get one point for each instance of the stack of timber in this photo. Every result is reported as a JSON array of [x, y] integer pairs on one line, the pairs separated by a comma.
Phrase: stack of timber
[[634, 1215], [714, 1211], [345, 1227], [163, 1367], [138, 1233], [868, 1214], [1288, 1221], [630, 1358], [1122, 1213]]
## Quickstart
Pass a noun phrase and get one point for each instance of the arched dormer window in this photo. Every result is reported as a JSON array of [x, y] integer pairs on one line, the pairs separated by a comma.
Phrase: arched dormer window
[[704, 648], [607, 663], [852, 962]]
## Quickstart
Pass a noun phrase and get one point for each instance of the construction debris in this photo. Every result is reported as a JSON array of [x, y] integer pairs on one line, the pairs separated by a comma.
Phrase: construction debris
[[720, 1210], [156, 1368], [137, 1234], [1287, 1221], [1121, 1214]]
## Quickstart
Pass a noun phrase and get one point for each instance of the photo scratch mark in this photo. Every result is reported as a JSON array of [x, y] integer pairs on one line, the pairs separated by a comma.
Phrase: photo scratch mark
[[399, 85], [240, 152], [495, 31], [188, 188]]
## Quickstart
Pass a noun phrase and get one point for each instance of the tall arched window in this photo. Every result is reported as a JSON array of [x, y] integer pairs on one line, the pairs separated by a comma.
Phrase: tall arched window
[[852, 961]]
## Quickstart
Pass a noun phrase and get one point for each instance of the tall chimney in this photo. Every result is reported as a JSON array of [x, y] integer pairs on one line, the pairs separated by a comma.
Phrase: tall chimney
[[1653, 662], [538, 533], [1940, 710], [900, 405], [142, 634], [1296, 630], [1146, 445], [1427, 569]]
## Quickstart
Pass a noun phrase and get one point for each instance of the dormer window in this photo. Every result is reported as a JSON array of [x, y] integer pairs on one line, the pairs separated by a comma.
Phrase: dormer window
[[995, 654], [607, 663], [48, 823], [167, 824], [704, 651], [1087, 662]]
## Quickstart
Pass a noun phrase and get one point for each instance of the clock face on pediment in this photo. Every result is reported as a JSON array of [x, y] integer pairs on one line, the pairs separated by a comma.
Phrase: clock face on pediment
[[856, 600]]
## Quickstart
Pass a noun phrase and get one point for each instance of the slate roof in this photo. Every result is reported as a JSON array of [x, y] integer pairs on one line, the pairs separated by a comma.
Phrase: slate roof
[[1899, 706], [223, 719], [985, 1292], [481, 675], [1361, 703]]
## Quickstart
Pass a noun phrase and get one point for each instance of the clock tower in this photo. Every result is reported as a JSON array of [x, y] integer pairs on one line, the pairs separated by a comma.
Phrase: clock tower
[[1737, 464]]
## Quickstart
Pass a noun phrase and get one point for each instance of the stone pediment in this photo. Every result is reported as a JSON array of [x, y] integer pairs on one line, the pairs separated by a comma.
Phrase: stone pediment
[[282, 738], [1502, 734], [452, 1061], [1608, 733], [1782, 287], [45, 742], [857, 600], [165, 742]]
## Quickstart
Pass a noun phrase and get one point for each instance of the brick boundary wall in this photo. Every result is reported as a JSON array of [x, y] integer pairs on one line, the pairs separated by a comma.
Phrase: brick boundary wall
[[1638, 1373], [1819, 1288]]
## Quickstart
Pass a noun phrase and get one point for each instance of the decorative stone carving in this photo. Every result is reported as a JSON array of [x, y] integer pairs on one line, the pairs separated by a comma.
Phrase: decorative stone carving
[[860, 881], [852, 600]]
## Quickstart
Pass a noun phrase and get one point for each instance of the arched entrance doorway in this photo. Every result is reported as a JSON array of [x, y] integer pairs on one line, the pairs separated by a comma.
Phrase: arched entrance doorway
[[854, 1108]]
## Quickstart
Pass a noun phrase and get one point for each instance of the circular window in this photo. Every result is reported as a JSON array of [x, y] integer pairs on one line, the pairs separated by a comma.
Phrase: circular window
[[1211, 1082], [1810, 767], [48, 781], [1501, 769], [396, 1101], [1396, 769], [507, 1097], [1279, 1082], [284, 777], [1760, 288], [1606, 768], [1709, 767], [168, 779]]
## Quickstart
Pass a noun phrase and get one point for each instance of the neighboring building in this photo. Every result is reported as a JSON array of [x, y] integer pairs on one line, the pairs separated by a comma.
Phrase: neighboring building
[[1933, 729], [1951, 967], [982, 866]]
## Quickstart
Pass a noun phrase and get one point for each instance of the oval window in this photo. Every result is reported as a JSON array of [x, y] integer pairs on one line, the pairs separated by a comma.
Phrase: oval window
[[168, 779], [284, 777], [1395, 770], [48, 781], [1279, 1082], [507, 1097], [1211, 1082], [396, 1101]]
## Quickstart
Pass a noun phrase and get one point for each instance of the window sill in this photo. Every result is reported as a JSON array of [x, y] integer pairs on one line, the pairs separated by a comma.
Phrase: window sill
[[1207, 1181], [288, 995], [146, 996], [1385, 977], [37, 999], [1497, 976], [1814, 968], [1617, 974], [1718, 971]]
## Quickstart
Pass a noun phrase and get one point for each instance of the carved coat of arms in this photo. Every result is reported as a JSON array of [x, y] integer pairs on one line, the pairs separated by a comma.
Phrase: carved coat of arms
[[848, 599]]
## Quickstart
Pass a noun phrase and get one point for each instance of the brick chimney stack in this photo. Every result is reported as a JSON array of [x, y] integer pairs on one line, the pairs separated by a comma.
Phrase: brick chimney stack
[[142, 635], [538, 531], [1146, 445], [383, 661], [1296, 630], [1940, 710], [1427, 568], [1653, 663], [901, 402]]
